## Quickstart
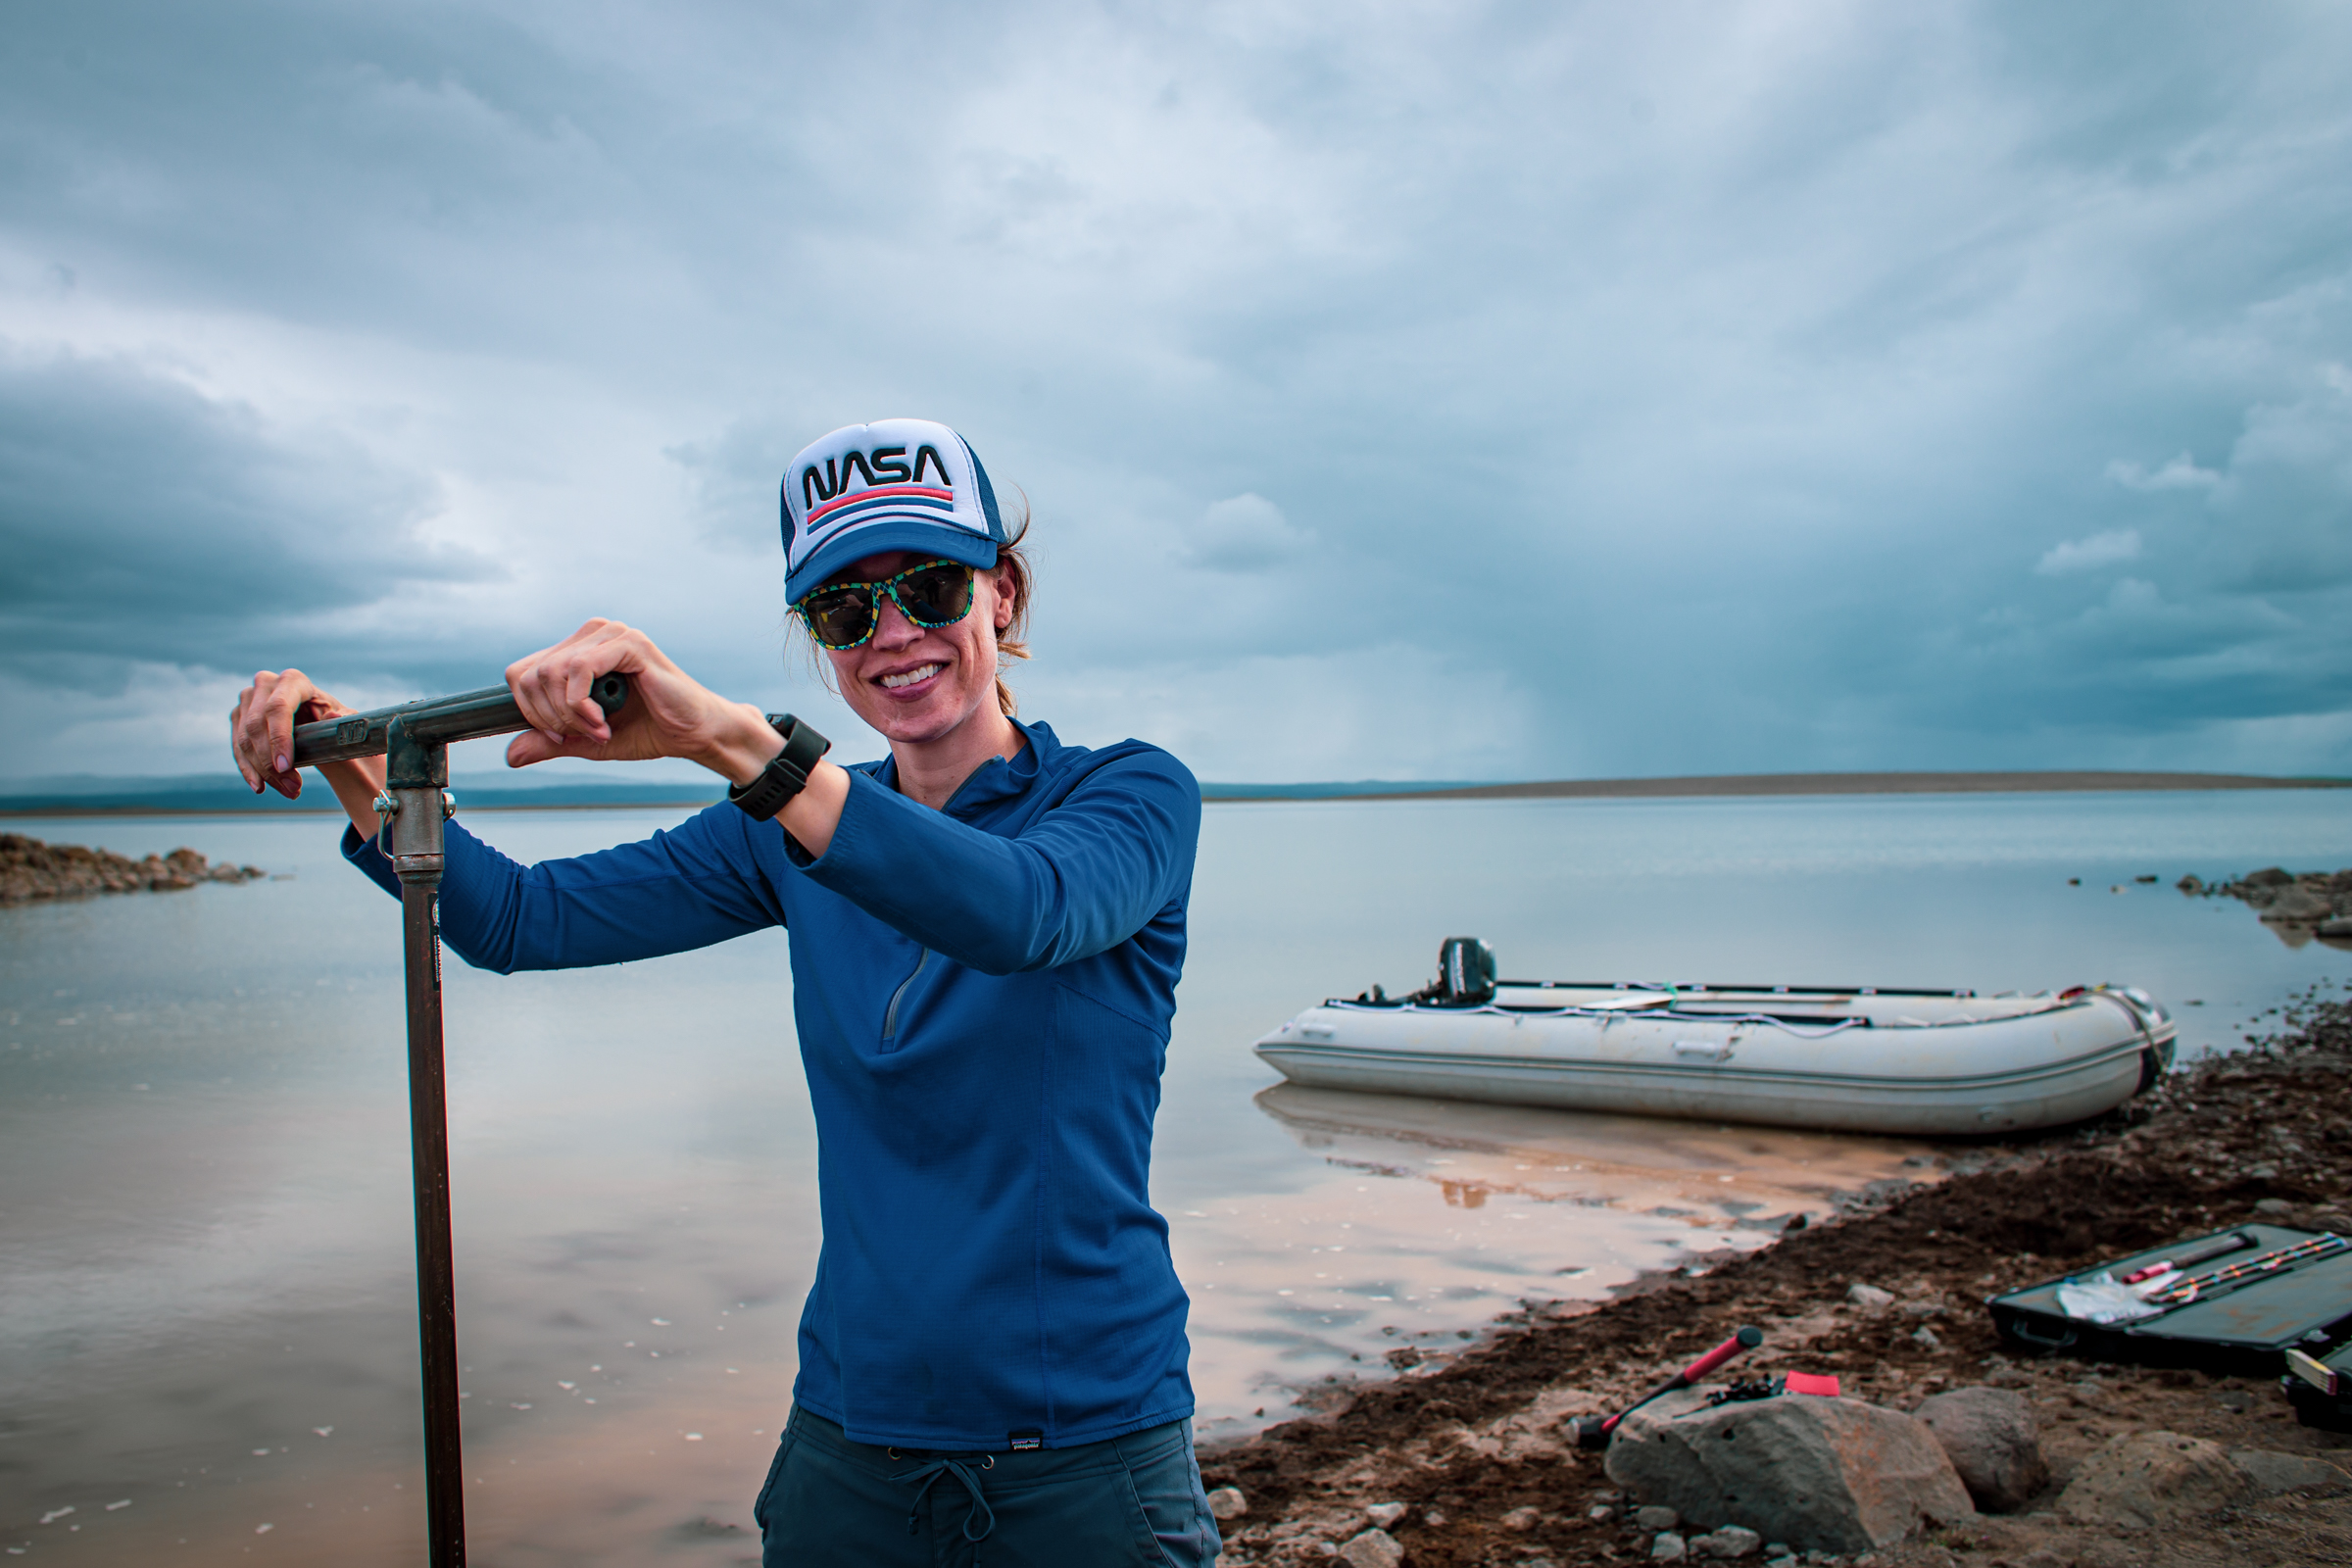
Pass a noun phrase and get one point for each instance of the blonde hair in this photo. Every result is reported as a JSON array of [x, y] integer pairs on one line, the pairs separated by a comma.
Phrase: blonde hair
[[1014, 569]]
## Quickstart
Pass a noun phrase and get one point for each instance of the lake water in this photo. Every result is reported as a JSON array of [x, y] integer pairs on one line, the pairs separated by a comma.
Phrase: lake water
[[207, 1331]]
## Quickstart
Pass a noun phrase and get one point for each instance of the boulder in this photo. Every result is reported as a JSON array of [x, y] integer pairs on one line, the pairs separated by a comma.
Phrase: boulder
[[1374, 1548], [1385, 1515], [2146, 1479], [1823, 1475], [2300, 905], [1227, 1502], [1654, 1517], [1869, 1296], [2272, 1472], [1668, 1548], [1990, 1437]]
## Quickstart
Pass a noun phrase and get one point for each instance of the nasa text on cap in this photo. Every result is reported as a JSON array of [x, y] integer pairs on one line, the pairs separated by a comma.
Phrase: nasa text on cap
[[895, 484]]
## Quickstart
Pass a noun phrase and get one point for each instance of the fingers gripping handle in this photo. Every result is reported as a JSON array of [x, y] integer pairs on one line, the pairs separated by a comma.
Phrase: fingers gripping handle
[[437, 721]]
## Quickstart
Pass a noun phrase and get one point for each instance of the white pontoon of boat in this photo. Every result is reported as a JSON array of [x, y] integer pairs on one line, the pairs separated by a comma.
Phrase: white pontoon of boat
[[1856, 1059]]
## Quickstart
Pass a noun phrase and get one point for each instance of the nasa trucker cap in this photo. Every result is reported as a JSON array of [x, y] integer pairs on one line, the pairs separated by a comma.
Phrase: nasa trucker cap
[[895, 484]]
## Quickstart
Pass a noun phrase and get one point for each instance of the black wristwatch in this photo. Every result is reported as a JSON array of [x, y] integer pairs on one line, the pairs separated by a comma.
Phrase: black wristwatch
[[785, 773]]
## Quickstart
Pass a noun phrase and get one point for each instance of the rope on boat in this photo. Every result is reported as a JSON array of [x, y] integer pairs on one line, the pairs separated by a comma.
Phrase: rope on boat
[[1606, 1013]]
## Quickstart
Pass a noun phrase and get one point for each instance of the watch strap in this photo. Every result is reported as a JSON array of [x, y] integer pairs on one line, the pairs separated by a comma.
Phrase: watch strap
[[786, 773]]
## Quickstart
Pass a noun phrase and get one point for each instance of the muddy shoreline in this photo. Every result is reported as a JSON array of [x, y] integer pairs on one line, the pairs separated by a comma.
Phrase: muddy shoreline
[[1480, 1452]]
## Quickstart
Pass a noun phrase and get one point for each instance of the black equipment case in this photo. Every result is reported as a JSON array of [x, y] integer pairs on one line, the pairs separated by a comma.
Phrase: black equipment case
[[2319, 1387], [2242, 1328]]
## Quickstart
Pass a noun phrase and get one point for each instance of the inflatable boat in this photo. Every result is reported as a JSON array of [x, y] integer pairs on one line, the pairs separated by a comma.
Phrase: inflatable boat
[[1854, 1059]]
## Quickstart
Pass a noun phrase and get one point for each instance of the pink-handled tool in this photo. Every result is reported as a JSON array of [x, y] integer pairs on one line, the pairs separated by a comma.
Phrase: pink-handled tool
[[1594, 1432]]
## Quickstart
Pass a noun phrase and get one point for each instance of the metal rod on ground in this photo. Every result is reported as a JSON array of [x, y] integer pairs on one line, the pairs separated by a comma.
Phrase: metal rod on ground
[[1593, 1432], [415, 740]]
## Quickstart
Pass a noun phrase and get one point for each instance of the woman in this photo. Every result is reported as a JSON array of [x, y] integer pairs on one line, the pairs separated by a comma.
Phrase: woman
[[987, 928]]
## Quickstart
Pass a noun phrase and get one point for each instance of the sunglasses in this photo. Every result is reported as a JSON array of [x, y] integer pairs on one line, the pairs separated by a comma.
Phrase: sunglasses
[[842, 615]]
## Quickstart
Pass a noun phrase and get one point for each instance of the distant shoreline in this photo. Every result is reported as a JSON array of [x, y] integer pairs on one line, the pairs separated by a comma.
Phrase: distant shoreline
[[1723, 785], [241, 809], [1693, 787]]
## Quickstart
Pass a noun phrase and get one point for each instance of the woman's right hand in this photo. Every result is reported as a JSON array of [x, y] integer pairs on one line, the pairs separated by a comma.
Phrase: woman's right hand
[[260, 736], [260, 729]]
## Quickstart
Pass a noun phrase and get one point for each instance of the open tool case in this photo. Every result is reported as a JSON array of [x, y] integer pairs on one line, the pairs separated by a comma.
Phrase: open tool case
[[2241, 1327]]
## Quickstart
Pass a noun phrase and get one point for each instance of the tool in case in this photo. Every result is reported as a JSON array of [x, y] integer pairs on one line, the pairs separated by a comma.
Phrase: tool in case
[[2232, 1303]]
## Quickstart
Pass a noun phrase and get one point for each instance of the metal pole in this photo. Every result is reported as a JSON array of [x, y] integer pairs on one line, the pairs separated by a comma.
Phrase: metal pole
[[417, 793], [414, 739]]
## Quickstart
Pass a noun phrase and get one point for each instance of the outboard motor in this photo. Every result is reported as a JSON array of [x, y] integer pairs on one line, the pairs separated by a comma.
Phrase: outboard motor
[[1465, 973]]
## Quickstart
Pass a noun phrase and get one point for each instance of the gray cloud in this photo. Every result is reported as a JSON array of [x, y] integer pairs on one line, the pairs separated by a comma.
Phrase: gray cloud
[[1244, 533], [144, 520], [1668, 389], [2108, 548]]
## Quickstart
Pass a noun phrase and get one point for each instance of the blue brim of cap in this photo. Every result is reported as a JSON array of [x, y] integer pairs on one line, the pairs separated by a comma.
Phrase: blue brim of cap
[[836, 555]]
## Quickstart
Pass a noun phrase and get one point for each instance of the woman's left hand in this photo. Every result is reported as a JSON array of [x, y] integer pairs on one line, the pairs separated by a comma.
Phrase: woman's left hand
[[669, 714]]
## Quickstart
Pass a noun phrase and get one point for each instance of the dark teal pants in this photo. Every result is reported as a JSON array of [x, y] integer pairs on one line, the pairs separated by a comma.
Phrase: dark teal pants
[[1127, 1502]]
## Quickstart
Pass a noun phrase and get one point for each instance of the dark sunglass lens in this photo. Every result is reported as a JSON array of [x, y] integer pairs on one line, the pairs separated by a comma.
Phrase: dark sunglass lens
[[841, 618], [936, 596]]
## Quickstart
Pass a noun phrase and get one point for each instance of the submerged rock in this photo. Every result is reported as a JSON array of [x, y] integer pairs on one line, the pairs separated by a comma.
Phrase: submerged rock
[[2299, 903]]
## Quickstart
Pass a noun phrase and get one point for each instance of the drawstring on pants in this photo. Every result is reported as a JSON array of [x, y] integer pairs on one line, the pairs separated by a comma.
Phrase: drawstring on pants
[[980, 1513]]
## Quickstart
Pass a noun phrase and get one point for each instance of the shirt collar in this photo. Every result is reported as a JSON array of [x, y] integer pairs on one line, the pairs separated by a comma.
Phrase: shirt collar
[[995, 780]]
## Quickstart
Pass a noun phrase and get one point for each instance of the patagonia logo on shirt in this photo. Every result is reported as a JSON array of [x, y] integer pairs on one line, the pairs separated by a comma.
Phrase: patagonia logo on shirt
[[1023, 1441]]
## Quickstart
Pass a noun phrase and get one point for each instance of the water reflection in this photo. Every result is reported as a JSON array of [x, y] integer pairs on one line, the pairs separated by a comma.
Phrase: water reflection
[[1431, 1216]]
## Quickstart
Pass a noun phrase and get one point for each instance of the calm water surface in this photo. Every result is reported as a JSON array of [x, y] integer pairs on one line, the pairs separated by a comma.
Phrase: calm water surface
[[207, 1332]]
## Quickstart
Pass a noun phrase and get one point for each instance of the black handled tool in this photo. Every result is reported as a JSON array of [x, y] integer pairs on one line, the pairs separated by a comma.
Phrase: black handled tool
[[2191, 1258], [415, 739], [1594, 1432]]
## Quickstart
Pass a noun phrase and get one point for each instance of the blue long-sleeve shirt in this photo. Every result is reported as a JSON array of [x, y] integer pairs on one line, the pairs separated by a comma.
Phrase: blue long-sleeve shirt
[[983, 996]]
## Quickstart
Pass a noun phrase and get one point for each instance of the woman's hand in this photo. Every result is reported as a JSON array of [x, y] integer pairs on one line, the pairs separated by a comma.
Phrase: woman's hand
[[260, 735], [669, 714], [260, 727]]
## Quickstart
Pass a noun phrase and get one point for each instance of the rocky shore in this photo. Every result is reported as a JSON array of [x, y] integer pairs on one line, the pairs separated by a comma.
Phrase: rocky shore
[[2099, 1466], [2318, 902], [31, 869]]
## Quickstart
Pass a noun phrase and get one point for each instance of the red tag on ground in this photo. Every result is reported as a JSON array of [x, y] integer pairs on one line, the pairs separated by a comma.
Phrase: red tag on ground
[[1811, 1383]]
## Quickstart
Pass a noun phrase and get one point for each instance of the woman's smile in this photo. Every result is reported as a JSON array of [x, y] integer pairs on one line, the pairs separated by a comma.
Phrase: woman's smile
[[914, 677]]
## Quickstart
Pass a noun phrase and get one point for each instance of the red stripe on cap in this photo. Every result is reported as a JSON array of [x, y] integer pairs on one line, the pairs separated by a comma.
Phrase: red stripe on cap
[[932, 492]]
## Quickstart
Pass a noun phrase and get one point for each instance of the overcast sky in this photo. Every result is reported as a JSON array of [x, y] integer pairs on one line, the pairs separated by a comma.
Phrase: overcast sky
[[1443, 391]]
